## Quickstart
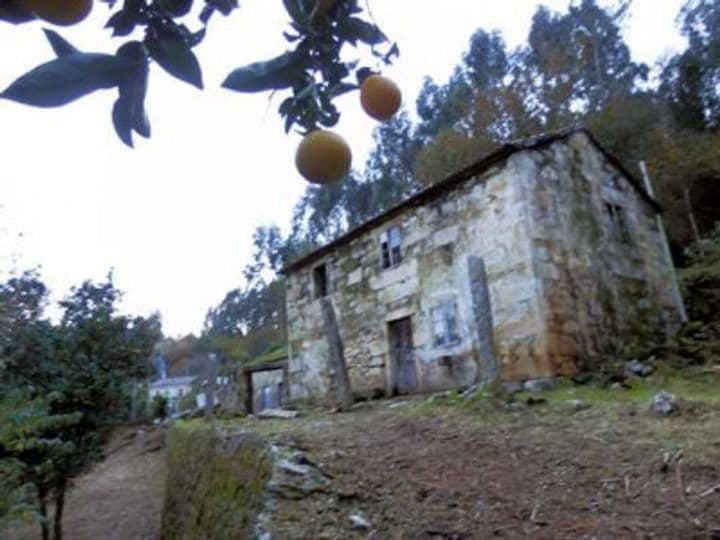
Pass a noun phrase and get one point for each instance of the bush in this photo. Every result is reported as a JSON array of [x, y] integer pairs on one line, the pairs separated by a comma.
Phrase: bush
[[215, 483], [701, 279], [160, 406]]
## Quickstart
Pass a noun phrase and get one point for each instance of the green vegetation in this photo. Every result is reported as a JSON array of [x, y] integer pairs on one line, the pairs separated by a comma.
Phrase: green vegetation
[[215, 482], [688, 384], [701, 278], [64, 385], [275, 354], [312, 71], [28, 451], [160, 407]]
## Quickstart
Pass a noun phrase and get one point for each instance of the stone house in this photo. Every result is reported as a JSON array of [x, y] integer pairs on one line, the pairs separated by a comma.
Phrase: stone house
[[172, 388], [539, 260]]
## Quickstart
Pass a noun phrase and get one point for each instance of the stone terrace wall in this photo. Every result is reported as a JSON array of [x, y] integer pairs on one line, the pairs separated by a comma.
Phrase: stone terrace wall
[[485, 217], [598, 292]]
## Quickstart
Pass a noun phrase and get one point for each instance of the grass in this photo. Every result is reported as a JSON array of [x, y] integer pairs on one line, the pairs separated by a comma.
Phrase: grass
[[275, 354], [690, 384]]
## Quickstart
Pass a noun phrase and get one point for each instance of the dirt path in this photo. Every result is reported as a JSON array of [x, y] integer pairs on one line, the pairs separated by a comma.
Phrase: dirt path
[[449, 473], [121, 498]]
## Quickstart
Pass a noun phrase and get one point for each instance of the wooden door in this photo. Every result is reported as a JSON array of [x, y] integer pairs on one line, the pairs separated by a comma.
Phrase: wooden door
[[402, 353]]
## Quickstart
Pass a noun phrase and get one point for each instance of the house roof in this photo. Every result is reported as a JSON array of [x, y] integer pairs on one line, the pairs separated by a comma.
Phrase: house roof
[[172, 381], [458, 178]]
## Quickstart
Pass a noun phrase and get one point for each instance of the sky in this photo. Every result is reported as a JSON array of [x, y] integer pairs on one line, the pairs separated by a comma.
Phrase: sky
[[174, 217]]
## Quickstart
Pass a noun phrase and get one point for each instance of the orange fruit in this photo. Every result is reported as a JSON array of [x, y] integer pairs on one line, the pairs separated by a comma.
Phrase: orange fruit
[[380, 97], [323, 157], [61, 12]]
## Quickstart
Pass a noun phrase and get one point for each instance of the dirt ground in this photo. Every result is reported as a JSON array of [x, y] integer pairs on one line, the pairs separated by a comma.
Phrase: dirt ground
[[547, 472], [121, 498], [457, 470]]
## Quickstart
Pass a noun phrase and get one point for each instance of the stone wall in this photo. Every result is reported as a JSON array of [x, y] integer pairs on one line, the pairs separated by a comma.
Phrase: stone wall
[[484, 217], [599, 290], [564, 291]]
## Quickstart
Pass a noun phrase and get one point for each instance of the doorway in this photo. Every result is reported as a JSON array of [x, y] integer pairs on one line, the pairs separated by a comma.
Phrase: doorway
[[404, 378]]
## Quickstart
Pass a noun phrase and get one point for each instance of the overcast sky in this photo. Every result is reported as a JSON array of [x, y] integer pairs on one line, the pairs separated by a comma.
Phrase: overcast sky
[[174, 217]]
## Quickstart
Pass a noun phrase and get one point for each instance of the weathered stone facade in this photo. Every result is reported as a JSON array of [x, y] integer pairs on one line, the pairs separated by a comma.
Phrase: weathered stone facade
[[570, 254]]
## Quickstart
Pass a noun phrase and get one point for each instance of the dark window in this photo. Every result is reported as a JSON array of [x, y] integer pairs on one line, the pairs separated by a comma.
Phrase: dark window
[[320, 281], [444, 322], [390, 243], [617, 221]]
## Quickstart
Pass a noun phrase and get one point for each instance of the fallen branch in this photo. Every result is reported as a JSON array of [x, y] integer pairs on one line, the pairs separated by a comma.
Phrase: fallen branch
[[710, 491], [639, 491]]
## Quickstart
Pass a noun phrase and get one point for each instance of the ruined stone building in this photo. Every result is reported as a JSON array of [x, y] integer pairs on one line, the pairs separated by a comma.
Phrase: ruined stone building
[[540, 259]]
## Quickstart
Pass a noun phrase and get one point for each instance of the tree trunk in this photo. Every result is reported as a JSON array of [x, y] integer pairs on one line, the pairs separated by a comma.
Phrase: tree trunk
[[343, 391], [59, 508], [133, 400], [691, 216], [44, 525]]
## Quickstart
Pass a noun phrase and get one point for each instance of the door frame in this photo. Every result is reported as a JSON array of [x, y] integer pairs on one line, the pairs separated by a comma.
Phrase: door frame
[[392, 367]]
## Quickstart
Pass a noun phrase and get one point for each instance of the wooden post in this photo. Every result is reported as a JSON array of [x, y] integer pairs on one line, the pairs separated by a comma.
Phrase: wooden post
[[210, 376], [488, 369], [343, 392], [676, 294]]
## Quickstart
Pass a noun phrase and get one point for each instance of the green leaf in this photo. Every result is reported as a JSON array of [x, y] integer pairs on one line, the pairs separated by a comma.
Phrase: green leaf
[[299, 9], [353, 30], [131, 102], [122, 120], [67, 78], [123, 22], [175, 56], [59, 44], [176, 8], [278, 73]]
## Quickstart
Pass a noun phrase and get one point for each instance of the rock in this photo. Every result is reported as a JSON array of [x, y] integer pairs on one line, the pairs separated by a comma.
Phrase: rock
[[664, 404], [512, 387], [359, 521], [293, 468], [539, 385], [359, 405], [398, 404], [294, 486], [440, 396], [635, 368], [301, 459], [578, 404], [277, 413], [618, 386], [295, 478]]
